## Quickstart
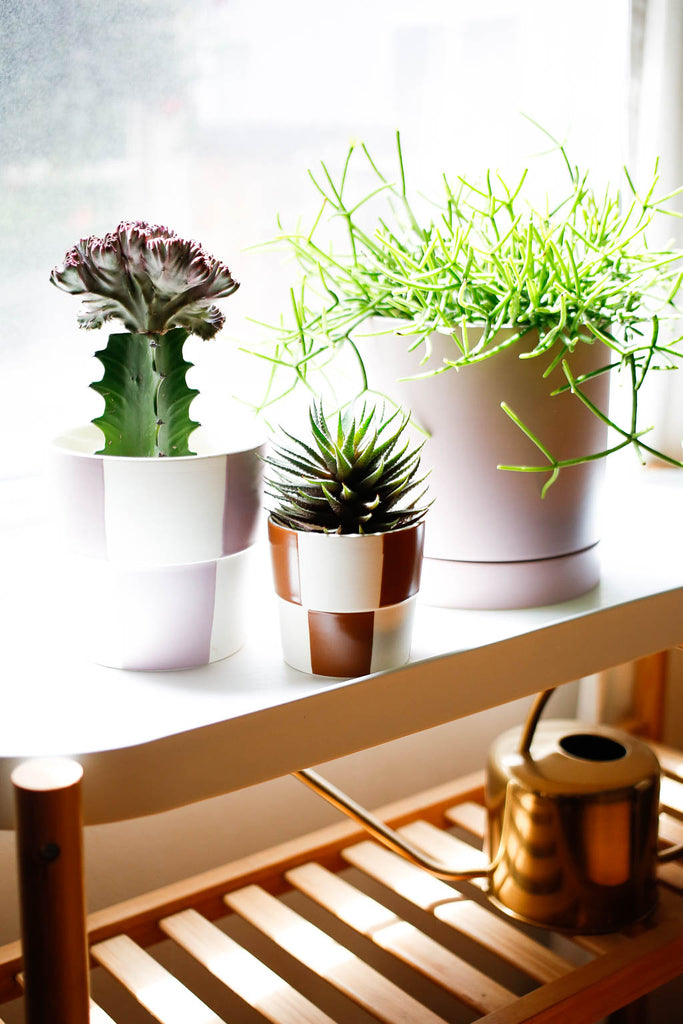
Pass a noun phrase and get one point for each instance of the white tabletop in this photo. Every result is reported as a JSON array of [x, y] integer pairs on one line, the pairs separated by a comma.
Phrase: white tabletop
[[152, 741]]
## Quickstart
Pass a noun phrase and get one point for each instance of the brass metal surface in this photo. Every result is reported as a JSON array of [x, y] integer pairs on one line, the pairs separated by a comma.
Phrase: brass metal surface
[[387, 836], [572, 827]]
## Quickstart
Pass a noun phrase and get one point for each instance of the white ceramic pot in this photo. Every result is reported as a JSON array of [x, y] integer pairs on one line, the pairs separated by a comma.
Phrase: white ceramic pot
[[346, 601], [491, 540], [155, 511], [163, 617], [160, 549]]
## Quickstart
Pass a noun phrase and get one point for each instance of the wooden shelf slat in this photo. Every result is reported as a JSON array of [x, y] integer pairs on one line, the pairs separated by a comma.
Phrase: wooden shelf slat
[[670, 828], [152, 985], [469, 816], [241, 971], [670, 760], [672, 875], [329, 959], [671, 795], [447, 848], [456, 910], [404, 940], [98, 1015]]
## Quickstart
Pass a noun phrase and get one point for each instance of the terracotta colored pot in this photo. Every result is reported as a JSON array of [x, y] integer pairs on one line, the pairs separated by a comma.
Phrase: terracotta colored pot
[[491, 540], [346, 601], [159, 547]]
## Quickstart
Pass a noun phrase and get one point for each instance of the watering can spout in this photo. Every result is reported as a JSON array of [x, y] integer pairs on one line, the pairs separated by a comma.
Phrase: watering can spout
[[385, 835], [392, 839]]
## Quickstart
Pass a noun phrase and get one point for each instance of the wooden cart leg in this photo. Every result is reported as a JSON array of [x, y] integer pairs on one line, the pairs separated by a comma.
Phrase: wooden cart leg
[[634, 1013], [50, 865]]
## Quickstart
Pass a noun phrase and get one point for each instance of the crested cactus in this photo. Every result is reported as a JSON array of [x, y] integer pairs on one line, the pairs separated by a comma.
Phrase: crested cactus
[[162, 288], [357, 476]]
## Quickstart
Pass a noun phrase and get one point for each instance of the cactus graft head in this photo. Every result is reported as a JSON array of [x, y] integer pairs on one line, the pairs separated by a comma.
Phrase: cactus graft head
[[149, 278]]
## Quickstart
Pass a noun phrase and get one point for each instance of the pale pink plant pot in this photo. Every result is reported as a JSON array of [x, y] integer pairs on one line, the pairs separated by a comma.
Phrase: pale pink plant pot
[[491, 540], [160, 549], [346, 601], [166, 617]]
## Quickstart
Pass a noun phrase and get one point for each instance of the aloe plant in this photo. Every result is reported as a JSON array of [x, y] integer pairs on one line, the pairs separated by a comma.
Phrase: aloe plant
[[356, 475], [163, 289]]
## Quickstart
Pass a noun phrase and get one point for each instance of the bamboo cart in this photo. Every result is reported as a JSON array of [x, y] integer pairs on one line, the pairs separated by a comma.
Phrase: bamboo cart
[[331, 926]]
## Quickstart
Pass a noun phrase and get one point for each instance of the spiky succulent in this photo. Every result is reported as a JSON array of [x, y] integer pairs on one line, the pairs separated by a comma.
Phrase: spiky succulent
[[358, 476], [162, 288]]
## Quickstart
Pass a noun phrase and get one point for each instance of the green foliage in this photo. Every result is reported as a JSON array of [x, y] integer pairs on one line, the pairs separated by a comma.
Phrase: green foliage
[[356, 476], [579, 272], [146, 397]]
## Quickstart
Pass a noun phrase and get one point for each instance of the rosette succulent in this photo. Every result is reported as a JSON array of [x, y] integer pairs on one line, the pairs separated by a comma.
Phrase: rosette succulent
[[162, 288], [358, 475]]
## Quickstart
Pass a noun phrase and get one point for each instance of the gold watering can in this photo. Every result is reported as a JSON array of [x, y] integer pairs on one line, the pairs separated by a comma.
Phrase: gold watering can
[[572, 825]]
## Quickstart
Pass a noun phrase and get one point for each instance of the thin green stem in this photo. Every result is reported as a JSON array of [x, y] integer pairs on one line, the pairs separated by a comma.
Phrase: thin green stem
[[577, 271]]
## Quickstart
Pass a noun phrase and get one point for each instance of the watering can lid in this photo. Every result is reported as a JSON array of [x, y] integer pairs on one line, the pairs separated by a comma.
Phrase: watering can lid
[[571, 757]]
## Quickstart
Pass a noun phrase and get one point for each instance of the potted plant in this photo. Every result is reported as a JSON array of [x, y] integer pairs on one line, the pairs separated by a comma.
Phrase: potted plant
[[346, 532], [499, 324], [162, 523]]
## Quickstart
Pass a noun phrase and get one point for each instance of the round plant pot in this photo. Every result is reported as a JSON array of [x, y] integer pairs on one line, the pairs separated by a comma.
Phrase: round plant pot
[[572, 827], [346, 601], [166, 617], [491, 540], [162, 544]]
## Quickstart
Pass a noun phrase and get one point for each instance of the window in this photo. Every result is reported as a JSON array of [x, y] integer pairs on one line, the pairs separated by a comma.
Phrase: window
[[206, 114]]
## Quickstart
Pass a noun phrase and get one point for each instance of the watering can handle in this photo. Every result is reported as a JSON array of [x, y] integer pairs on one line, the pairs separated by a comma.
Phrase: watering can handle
[[533, 719]]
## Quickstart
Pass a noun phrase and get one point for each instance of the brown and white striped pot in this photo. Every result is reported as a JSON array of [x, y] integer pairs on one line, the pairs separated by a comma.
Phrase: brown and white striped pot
[[159, 548], [346, 601]]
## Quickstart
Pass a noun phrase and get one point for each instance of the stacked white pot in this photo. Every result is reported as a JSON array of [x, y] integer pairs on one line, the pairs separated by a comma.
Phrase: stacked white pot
[[160, 548]]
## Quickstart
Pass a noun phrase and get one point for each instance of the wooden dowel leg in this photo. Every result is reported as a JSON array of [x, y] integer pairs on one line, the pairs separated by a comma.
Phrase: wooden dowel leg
[[50, 865]]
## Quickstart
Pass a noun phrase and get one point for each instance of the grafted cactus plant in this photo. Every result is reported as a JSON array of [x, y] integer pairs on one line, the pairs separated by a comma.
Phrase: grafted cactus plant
[[163, 289]]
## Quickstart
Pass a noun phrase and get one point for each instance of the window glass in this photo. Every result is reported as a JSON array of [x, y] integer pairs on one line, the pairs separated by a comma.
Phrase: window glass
[[205, 115]]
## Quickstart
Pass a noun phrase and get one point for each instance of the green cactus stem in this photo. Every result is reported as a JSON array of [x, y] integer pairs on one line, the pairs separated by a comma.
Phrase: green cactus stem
[[146, 396]]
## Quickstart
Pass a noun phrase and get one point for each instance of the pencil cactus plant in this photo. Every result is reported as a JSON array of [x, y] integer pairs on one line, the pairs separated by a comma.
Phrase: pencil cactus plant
[[358, 475], [575, 272], [162, 288]]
